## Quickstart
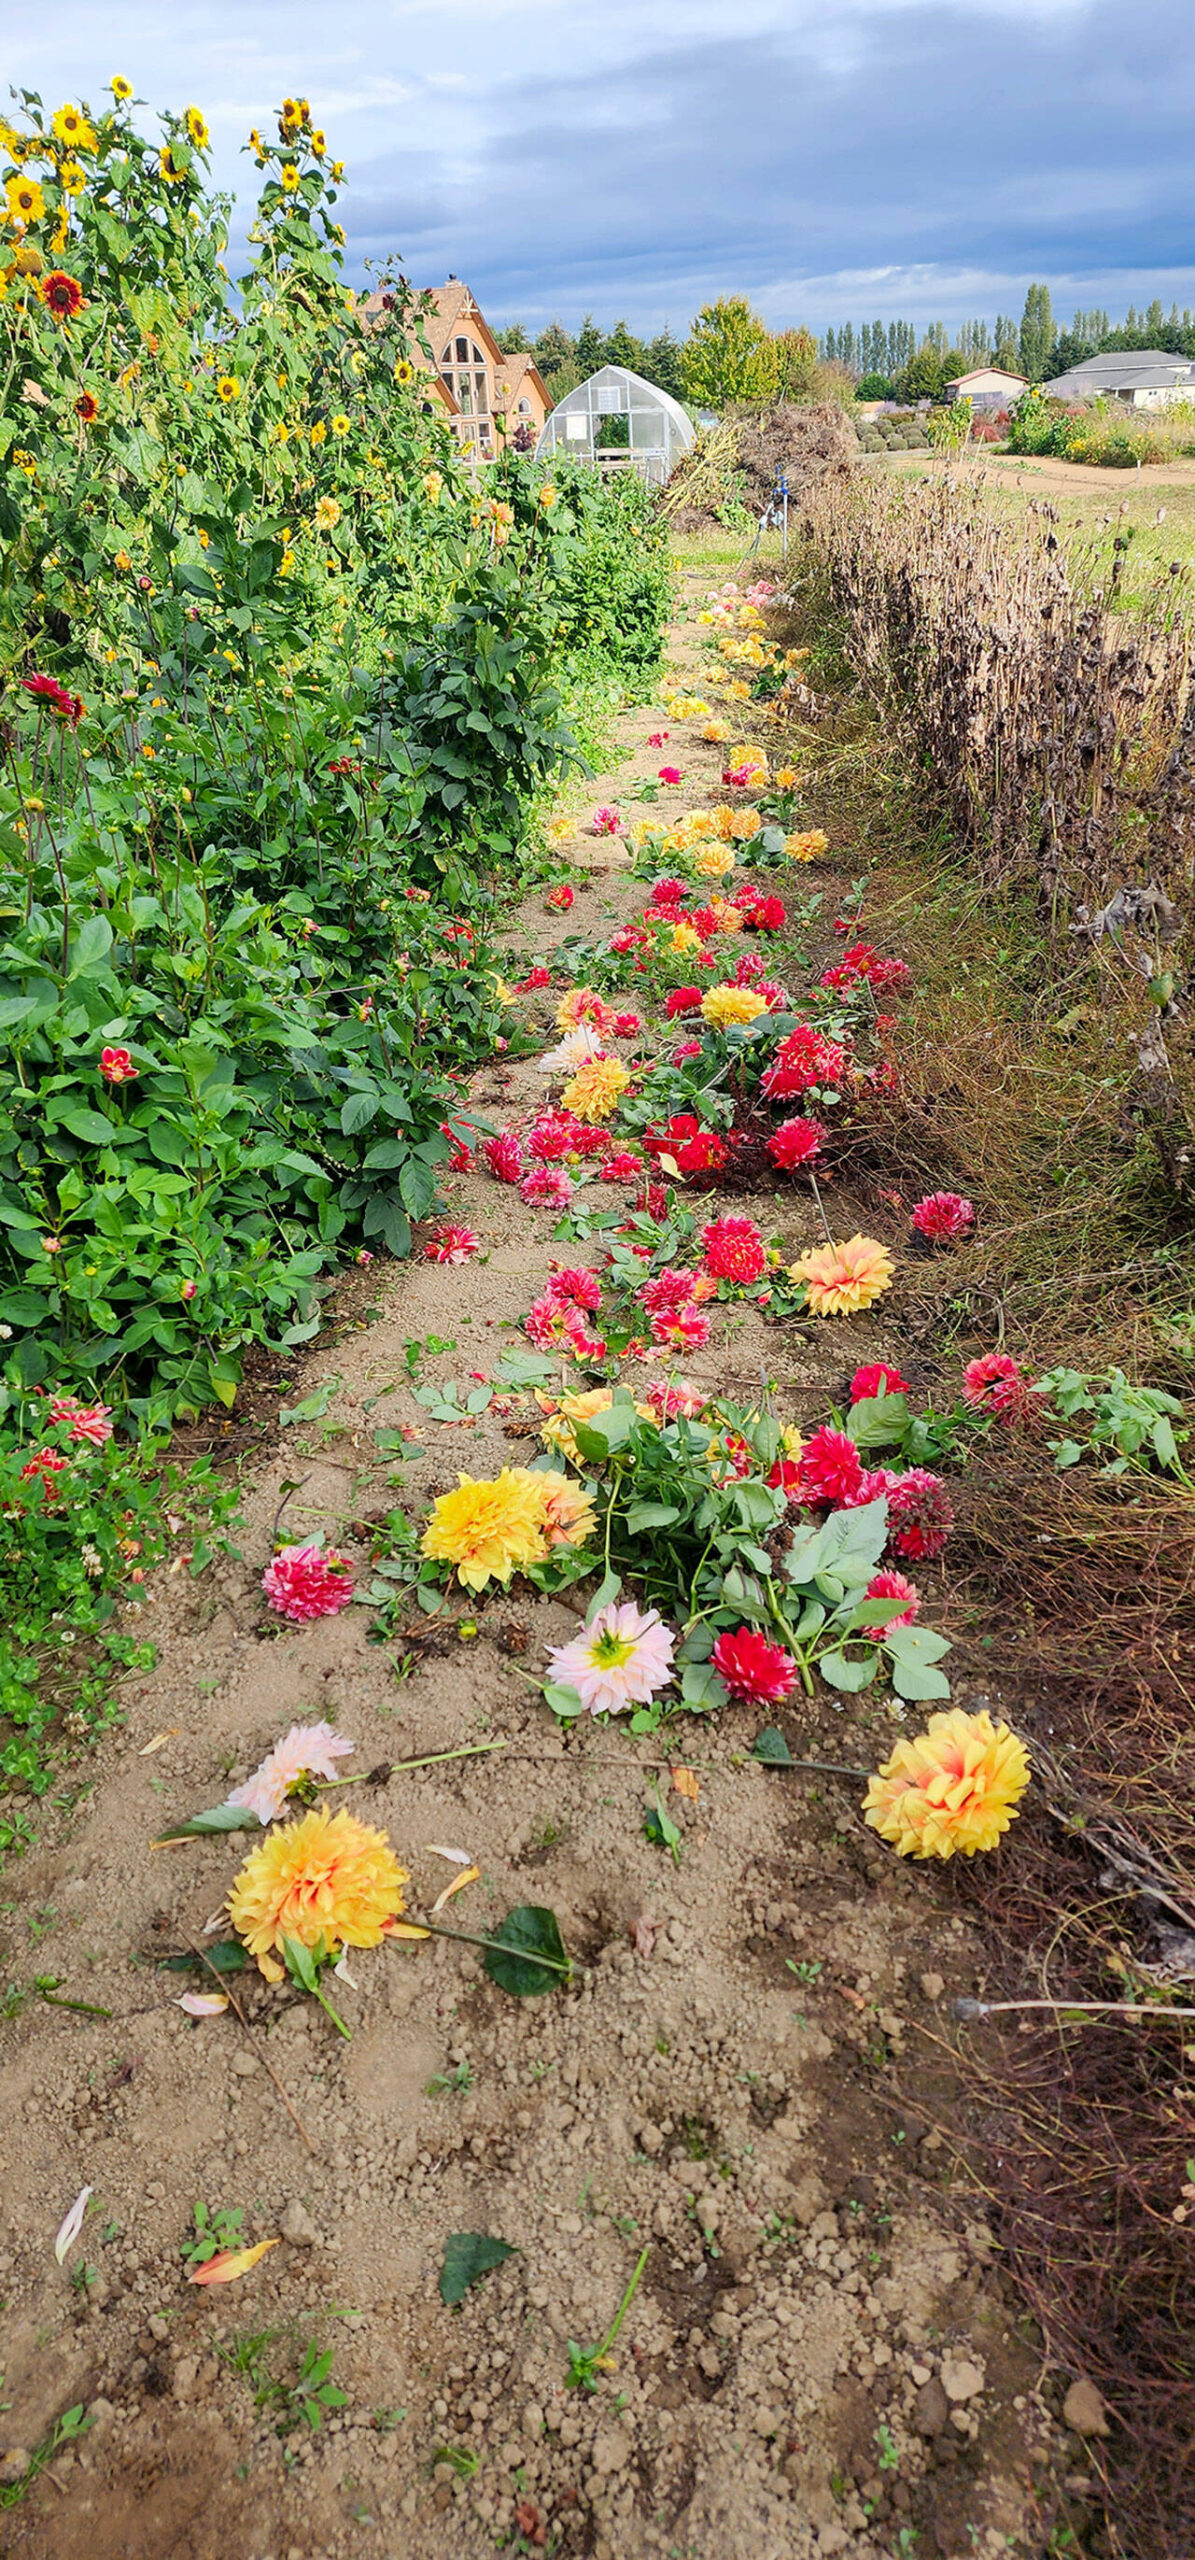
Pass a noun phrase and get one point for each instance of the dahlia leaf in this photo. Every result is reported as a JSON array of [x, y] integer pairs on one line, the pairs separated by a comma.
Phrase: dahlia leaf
[[701, 1687], [469, 2255], [917, 1644], [811, 1621], [226, 1956], [842, 1673], [312, 1406], [771, 1748], [878, 1422], [651, 1515], [608, 1589], [562, 1700], [219, 1817], [919, 1680], [527, 1955]]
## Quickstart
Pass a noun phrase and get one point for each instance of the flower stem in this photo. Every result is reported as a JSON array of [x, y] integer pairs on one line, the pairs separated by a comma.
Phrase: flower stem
[[336, 2020]]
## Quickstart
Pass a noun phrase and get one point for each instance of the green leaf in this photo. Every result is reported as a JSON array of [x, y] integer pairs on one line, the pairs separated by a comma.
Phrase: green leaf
[[919, 1680], [702, 1688], [651, 1515], [312, 1406], [91, 1126], [563, 1701], [90, 947], [226, 1955], [876, 1422], [468, 2256], [842, 1673], [219, 1817], [358, 1109], [771, 1747], [531, 1933]]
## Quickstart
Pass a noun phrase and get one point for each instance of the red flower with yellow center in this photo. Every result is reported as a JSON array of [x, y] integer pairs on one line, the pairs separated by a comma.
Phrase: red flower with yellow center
[[87, 408], [62, 295]]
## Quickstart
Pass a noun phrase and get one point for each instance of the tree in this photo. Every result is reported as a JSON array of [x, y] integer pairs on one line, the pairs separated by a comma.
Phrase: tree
[[796, 363], [955, 364], [514, 341], [622, 348], [1037, 332], [1006, 354], [590, 349], [728, 355], [553, 348], [922, 376], [875, 386], [660, 363]]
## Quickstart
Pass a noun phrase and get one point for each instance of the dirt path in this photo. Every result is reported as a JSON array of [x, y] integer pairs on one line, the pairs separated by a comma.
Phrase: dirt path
[[823, 2356]]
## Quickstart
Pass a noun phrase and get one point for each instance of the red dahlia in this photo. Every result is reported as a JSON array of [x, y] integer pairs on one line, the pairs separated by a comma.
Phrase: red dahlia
[[752, 1668], [734, 1250], [805, 1057], [889, 1586], [795, 1142], [581, 1287], [876, 1378], [684, 1328], [830, 1467], [683, 1000], [996, 1384], [667, 893], [944, 1217], [451, 1244], [504, 1156], [671, 1288], [919, 1515]]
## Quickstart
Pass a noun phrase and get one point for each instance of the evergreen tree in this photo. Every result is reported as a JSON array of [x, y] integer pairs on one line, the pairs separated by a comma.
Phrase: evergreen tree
[[1007, 352], [660, 363], [554, 348], [590, 349], [847, 349], [922, 375], [622, 348], [514, 341], [830, 347], [1037, 332]]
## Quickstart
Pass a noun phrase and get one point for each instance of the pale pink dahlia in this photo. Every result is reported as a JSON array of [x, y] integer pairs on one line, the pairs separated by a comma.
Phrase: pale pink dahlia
[[302, 1582], [307, 1751], [622, 1659]]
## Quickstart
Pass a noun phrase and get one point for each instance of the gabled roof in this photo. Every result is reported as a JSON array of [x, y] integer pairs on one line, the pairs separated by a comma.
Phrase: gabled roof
[[457, 309], [989, 373], [514, 371], [1148, 369]]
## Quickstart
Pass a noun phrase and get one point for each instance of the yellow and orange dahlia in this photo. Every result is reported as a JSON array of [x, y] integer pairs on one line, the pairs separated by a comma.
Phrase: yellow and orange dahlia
[[327, 1876], [841, 1279], [595, 1090], [956, 1786], [723, 1005]]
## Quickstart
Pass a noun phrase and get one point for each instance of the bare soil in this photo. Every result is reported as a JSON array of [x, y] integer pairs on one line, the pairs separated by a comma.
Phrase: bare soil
[[824, 2356]]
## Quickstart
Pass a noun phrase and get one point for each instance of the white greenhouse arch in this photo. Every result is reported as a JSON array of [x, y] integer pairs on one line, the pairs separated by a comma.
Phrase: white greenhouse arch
[[659, 430]]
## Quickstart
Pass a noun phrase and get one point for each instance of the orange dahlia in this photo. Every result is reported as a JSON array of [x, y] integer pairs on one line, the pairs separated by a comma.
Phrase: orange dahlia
[[326, 1876], [956, 1786], [841, 1279]]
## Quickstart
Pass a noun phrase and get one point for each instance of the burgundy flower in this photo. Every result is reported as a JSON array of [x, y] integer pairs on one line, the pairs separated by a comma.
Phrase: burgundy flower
[[920, 1517]]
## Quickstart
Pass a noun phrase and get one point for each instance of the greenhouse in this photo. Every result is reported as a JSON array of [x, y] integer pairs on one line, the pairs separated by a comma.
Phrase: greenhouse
[[620, 422]]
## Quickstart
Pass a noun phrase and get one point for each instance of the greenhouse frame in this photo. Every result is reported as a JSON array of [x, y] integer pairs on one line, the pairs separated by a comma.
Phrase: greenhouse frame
[[658, 430]]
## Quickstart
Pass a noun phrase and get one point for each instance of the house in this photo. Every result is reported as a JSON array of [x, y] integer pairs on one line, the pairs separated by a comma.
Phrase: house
[[1147, 381], [989, 387], [488, 395]]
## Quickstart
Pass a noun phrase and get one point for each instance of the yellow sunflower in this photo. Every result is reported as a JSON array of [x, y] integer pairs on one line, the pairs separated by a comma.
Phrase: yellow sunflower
[[289, 178], [121, 89], [73, 129], [26, 203], [228, 388], [72, 177], [197, 128]]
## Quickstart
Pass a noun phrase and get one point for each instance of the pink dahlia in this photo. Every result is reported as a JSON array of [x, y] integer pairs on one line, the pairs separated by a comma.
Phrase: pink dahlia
[[46, 1464], [805, 1057], [302, 1583], [504, 1156], [622, 1659], [796, 1142], [873, 1482], [734, 1250], [545, 1188], [919, 1515], [673, 1397], [671, 1288], [451, 1244], [896, 1589], [576, 1287], [606, 822], [91, 1422], [876, 1378], [752, 1668], [997, 1384], [552, 1136], [307, 1751], [553, 1324], [830, 1467], [627, 1026], [945, 1217], [459, 1157], [668, 892], [670, 773], [682, 1000], [685, 1328], [658, 738], [622, 1167], [561, 898], [684, 1051]]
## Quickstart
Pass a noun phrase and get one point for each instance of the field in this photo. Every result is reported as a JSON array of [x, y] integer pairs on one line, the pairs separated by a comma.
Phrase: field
[[1156, 507]]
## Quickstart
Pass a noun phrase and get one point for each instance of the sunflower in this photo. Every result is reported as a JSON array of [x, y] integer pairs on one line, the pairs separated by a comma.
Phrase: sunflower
[[72, 177], [168, 167], [121, 89], [318, 432], [319, 143], [956, 1786], [62, 295], [337, 171], [326, 1876], [840, 1279], [26, 203], [73, 129], [404, 372], [289, 178], [87, 408], [198, 130], [341, 426], [228, 388]]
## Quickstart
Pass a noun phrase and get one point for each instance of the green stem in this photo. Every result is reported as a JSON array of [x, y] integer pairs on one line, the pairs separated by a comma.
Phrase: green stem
[[625, 2304], [530, 1955], [327, 2005]]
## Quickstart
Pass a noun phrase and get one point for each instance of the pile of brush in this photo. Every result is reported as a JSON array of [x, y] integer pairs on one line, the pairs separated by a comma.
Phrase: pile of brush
[[736, 464]]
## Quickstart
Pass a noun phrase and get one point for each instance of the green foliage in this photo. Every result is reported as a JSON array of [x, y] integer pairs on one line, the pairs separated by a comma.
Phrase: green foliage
[[1123, 1426], [875, 386], [213, 2232], [1037, 332], [468, 2256], [728, 356]]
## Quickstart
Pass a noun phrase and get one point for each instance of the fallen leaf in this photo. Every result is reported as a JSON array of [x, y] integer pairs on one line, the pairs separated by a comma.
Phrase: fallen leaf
[[468, 1875], [642, 1934], [171, 1735], [203, 2004], [687, 1784], [69, 2230], [228, 2264], [458, 1857]]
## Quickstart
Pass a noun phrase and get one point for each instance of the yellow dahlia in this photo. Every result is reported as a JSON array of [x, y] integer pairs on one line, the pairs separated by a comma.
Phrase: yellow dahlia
[[714, 861], [327, 513], [727, 917], [558, 1431], [841, 1279], [724, 818], [489, 1528], [955, 1786], [808, 847], [715, 733], [743, 758], [786, 777], [595, 1090], [577, 1004], [327, 1876], [747, 823], [684, 937], [722, 1005]]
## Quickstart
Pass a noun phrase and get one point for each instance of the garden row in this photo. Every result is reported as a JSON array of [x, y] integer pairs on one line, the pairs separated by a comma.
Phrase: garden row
[[280, 691]]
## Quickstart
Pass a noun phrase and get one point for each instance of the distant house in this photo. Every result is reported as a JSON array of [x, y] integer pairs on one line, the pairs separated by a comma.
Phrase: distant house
[[1147, 381], [487, 394], [988, 387]]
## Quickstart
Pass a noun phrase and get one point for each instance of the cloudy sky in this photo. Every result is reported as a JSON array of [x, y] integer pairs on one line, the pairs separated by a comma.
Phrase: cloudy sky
[[833, 158]]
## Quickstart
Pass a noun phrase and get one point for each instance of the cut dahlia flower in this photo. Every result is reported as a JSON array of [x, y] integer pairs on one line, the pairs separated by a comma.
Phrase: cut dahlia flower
[[307, 1751], [451, 1244], [956, 1786], [623, 1659], [734, 1250], [944, 1217], [326, 1877], [752, 1668], [996, 1383], [842, 1279], [302, 1583], [920, 1517]]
